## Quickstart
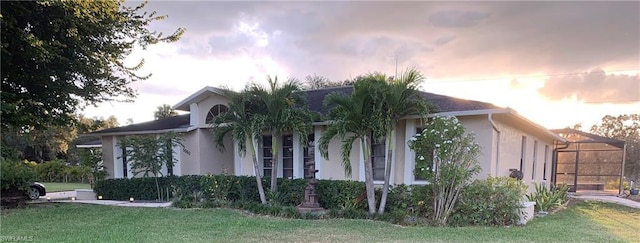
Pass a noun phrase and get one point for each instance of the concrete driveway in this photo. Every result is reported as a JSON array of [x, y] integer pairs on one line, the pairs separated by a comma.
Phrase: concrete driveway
[[610, 199], [65, 197]]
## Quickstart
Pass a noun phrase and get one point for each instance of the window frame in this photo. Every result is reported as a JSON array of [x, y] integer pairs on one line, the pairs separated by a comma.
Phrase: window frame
[[263, 156], [285, 147], [213, 112]]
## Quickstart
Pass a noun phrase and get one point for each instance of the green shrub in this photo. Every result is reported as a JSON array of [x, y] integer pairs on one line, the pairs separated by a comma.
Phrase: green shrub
[[187, 183], [216, 188], [16, 176], [397, 217], [258, 208], [399, 198], [293, 190], [341, 194], [548, 198], [407, 205], [492, 201], [421, 200], [188, 200], [348, 213], [52, 171], [615, 185], [343, 199]]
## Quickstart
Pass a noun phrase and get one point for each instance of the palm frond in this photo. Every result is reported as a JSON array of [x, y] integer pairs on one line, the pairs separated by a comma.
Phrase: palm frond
[[345, 152]]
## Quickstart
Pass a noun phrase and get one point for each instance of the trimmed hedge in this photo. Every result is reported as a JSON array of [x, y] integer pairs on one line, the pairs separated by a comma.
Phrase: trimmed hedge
[[343, 198], [138, 188], [332, 194], [492, 201]]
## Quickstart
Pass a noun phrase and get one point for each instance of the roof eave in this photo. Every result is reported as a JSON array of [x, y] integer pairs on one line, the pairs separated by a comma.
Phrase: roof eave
[[507, 110], [178, 130], [545, 130], [89, 146], [464, 113]]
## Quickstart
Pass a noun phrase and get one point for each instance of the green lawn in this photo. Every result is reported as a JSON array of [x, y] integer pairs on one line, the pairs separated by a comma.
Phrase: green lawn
[[59, 187], [584, 222]]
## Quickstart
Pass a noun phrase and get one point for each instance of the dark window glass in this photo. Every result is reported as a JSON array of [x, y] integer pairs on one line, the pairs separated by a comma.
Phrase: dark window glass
[[287, 156], [377, 158]]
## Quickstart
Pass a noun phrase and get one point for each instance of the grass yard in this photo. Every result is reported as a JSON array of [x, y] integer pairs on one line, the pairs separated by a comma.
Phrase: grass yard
[[59, 187], [583, 222]]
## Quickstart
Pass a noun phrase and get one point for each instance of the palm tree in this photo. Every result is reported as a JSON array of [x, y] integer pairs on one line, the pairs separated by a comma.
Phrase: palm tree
[[402, 99], [241, 121], [356, 117], [164, 111], [285, 110]]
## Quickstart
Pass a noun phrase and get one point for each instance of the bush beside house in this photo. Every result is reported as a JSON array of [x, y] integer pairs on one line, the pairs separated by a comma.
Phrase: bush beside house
[[408, 204]]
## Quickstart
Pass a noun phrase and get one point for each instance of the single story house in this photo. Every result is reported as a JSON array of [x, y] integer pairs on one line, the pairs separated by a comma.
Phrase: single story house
[[509, 142]]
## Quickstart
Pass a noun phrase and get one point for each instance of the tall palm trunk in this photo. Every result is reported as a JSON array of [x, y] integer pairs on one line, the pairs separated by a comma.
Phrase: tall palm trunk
[[275, 147], [256, 170], [391, 138], [368, 174]]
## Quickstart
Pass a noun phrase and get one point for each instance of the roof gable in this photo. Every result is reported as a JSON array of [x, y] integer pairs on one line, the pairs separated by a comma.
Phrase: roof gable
[[197, 97]]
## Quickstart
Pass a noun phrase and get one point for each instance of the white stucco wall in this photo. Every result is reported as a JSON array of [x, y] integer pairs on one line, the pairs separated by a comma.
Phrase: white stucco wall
[[332, 168], [190, 154], [483, 131], [511, 134], [397, 174], [213, 160], [107, 155]]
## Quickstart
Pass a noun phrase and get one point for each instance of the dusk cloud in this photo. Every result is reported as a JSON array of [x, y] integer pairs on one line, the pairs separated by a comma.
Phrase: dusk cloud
[[456, 18], [445, 40], [594, 87]]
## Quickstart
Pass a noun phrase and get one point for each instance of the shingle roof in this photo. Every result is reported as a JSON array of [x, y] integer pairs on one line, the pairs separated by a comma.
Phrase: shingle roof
[[315, 99], [167, 123], [443, 103]]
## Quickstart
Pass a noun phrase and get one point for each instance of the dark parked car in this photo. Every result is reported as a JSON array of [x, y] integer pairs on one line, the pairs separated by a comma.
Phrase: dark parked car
[[36, 190]]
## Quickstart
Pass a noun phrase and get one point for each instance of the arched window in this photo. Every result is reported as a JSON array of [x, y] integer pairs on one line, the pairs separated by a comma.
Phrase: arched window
[[215, 111]]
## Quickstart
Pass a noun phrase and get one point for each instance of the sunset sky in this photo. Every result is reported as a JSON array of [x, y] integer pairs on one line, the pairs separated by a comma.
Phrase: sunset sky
[[556, 63]]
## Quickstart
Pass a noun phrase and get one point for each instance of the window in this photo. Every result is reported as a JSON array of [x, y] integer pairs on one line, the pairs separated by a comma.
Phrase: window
[[377, 158], [546, 160], [309, 154], [215, 111], [267, 159], [523, 153], [535, 158], [287, 156]]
